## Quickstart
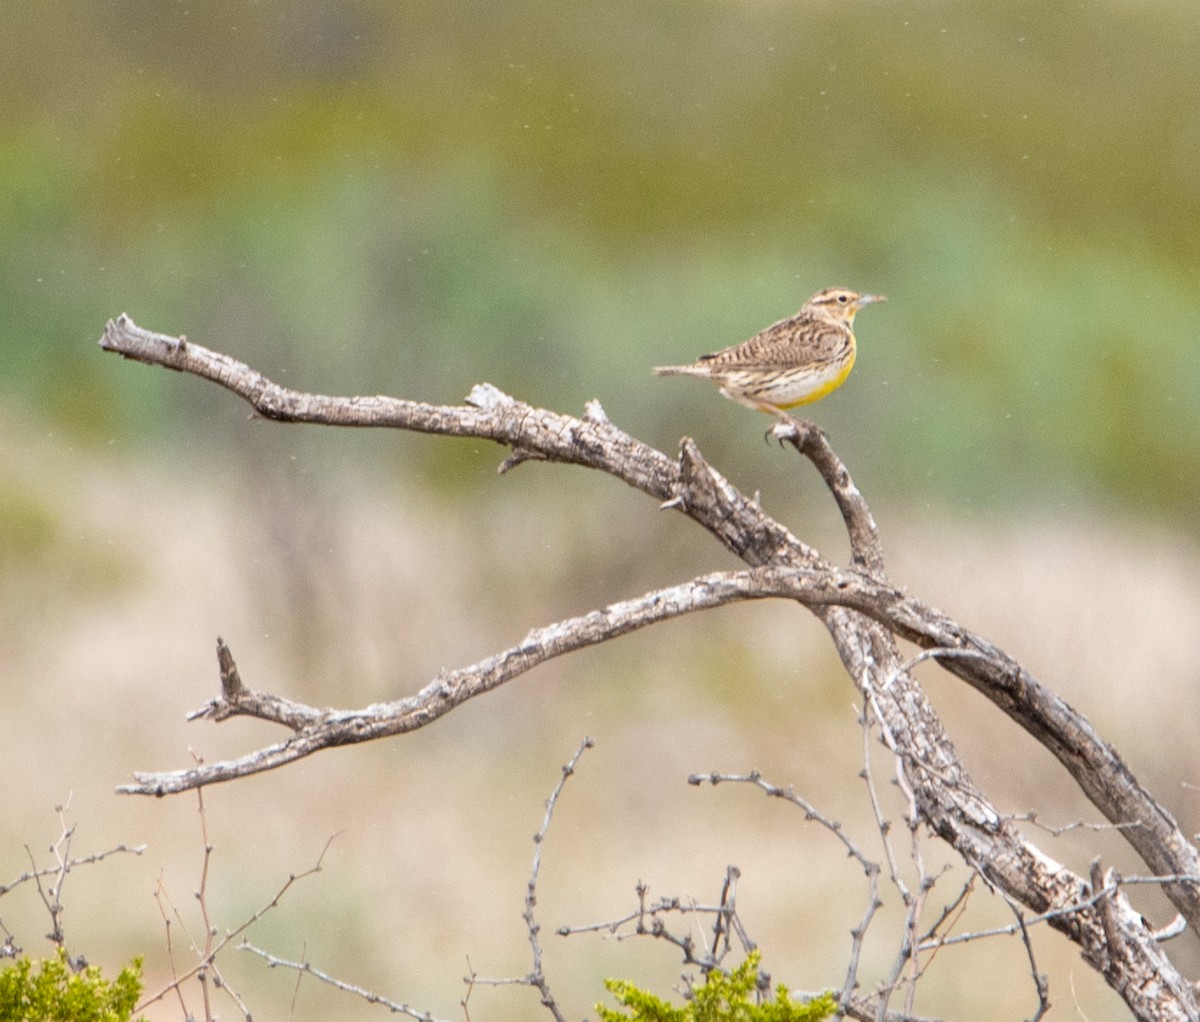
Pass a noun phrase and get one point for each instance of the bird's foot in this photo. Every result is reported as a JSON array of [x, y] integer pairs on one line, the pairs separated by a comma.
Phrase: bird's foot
[[787, 428], [791, 430]]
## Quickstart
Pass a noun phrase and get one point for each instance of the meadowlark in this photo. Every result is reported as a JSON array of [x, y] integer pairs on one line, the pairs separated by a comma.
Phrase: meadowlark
[[793, 362]]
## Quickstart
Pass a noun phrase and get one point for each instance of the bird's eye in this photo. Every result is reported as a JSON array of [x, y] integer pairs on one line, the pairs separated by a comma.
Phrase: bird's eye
[[842, 299]]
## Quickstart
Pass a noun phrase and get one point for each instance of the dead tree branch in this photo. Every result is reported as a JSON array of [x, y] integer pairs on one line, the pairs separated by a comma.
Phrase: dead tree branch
[[862, 612]]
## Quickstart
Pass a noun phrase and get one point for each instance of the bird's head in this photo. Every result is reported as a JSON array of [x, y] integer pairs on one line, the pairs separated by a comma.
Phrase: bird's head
[[840, 303]]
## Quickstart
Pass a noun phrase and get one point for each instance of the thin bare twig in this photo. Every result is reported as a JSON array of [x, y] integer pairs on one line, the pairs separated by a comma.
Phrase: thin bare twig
[[1084, 903], [537, 978], [205, 947], [726, 923], [51, 893], [951, 912], [162, 898], [202, 899], [649, 922], [296, 987], [1031, 816], [1040, 983], [52, 897], [396, 1007], [80, 860], [870, 868], [213, 948]]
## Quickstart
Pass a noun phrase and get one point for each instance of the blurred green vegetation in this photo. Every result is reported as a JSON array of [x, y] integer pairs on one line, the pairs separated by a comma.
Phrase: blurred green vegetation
[[723, 997], [405, 197], [57, 991]]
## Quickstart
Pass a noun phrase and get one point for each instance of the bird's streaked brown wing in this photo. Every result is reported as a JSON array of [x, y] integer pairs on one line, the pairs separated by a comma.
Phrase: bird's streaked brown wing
[[798, 338]]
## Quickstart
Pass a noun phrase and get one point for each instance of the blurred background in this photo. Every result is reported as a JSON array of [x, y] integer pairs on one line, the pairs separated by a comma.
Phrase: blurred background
[[409, 198]]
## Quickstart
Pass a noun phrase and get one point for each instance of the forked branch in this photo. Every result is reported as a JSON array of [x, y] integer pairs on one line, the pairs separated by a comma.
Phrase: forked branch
[[862, 612]]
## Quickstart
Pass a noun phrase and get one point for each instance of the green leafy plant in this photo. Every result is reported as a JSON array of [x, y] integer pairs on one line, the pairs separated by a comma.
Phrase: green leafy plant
[[53, 993], [723, 998]]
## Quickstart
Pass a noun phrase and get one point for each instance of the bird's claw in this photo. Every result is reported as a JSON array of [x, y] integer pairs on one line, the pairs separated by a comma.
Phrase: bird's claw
[[785, 429]]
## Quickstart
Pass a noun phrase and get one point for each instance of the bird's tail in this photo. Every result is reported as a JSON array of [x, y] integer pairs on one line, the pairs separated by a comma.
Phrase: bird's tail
[[681, 371]]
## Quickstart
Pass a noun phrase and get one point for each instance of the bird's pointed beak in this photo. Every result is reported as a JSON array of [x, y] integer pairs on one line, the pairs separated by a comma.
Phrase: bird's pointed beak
[[868, 299]]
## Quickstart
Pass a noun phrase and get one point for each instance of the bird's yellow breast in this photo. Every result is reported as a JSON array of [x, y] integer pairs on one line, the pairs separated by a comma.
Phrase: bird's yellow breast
[[823, 381]]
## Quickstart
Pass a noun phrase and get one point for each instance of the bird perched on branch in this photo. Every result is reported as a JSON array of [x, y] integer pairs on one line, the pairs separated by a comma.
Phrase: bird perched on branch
[[793, 362]]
